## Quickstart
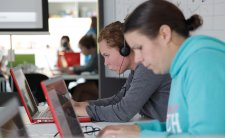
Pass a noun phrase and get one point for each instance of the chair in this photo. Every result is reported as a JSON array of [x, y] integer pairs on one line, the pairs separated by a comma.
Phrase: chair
[[85, 91], [34, 80], [4, 94]]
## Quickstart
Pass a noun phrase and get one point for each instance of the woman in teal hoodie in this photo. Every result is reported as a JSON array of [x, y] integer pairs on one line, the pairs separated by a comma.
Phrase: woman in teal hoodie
[[159, 35]]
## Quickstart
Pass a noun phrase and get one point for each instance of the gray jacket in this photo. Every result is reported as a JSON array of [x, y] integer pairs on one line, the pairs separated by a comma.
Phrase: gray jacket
[[143, 92]]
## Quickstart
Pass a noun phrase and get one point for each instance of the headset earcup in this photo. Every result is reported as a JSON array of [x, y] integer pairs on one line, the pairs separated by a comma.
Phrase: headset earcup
[[125, 51]]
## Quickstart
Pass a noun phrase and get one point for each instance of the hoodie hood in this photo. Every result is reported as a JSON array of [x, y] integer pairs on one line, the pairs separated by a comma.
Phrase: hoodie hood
[[192, 45]]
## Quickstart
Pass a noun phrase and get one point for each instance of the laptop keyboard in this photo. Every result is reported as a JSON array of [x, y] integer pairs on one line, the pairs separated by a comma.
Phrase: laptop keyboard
[[45, 114]]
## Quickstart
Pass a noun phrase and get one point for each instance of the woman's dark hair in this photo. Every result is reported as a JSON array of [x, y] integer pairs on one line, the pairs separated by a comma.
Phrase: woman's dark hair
[[66, 37], [148, 17], [113, 34], [66, 43], [88, 41]]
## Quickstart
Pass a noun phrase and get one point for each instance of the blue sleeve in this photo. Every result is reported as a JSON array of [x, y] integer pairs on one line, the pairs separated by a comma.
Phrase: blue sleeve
[[154, 125], [153, 128]]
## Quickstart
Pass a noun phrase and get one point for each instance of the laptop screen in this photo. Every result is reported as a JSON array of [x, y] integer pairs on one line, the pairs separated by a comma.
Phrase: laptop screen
[[71, 59], [23, 87], [57, 84], [11, 124], [67, 122], [59, 101]]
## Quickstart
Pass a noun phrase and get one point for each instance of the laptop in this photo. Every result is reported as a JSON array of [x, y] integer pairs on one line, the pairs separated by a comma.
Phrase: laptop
[[11, 123], [35, 114], [71, 59], [65, 119], [64, 115], [58, 84]]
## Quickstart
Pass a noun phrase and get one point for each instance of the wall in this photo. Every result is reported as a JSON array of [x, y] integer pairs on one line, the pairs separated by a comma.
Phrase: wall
[[212, 12]]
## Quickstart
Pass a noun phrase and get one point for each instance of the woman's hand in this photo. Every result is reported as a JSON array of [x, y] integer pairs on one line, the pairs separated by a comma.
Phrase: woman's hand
[[120, 131]]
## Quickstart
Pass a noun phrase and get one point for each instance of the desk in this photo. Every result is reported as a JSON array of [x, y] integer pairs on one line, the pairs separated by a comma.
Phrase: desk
[[49, 129], [76, 77], [66, 76]]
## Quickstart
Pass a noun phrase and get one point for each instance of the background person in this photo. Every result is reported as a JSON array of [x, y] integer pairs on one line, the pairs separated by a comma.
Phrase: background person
[[89, 89], [93, 27], [88, 46], [93, 32], [65, 44], [64, 47]]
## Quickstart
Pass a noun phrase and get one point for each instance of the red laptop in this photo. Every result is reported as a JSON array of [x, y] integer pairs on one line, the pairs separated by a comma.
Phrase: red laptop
[[68, 59], [59, 85], [64, 116], [34, 113]]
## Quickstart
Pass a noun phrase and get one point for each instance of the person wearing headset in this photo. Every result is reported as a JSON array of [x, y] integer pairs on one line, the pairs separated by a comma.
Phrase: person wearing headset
[[143, 92]]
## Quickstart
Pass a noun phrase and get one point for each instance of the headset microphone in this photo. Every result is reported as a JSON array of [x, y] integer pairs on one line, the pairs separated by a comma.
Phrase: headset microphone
[[121, 66]]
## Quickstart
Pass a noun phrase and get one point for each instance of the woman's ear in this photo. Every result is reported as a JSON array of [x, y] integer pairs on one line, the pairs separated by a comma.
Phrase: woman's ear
[[165, 33]]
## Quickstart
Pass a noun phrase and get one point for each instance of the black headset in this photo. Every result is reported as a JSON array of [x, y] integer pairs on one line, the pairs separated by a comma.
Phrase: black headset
[[124, 49]]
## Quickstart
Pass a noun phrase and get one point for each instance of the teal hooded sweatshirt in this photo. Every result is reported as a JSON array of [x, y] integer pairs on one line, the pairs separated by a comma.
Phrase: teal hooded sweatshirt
[[197, 95]]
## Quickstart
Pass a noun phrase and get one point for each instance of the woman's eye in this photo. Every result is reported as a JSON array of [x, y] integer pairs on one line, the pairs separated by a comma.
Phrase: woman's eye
[[105, 55], [139, 48]]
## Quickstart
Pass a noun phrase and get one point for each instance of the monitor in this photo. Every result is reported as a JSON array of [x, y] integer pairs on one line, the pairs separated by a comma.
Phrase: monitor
[[23, 16]]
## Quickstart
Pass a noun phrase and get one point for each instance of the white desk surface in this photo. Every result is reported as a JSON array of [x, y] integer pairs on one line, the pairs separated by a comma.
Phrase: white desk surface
[[85, 75], [76, 77], [49, 129], [66, 76]]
